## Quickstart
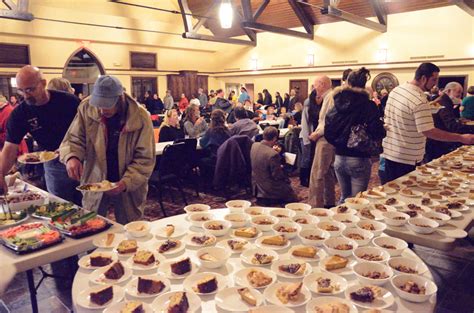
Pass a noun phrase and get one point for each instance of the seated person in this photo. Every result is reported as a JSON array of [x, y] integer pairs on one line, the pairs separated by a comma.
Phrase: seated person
[[467, 105], [273, 184], [215, 136], [243, 125], [270, 115], [169, 129], [297, 113], [194, 123]]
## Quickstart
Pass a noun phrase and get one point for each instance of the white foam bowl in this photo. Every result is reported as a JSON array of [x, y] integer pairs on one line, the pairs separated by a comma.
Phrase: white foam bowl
[[322, 214], [195, 218], [339, 210], [359, 252], [298, 207], [364, 233], [349, 220], [221, 254], [138, 229], [283, 214], [414, 223], [389, 218], [196, 208], [310, 220], [315, 232], [216, 232], [379, 227], [237, 206], [439, 218], [331, 243], [415, 265], [401, 279], [292, 225], [237, 219], [263, 227], [334, 233], [356, 203], [255, 211], [364, 268], [399, 244]]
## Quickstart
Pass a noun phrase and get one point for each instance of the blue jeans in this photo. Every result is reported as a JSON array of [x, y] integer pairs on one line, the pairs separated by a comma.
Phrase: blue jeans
[[353, 175], [59, 184]]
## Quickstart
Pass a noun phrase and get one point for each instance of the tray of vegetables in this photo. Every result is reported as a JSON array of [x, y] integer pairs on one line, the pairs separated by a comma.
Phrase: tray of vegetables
[[50, 210], [79, 223], [8, 219], [30, 237]]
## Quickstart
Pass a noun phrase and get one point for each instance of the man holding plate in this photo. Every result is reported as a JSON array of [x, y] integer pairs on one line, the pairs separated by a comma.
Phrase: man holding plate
[[111, 138]]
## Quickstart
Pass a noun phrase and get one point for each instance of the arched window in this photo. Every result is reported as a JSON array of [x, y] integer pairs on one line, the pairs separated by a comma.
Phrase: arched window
[[82, 69]]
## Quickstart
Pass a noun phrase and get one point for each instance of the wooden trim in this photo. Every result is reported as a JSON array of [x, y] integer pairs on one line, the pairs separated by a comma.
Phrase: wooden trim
[[96, 59], [9, 65], [144, 68]]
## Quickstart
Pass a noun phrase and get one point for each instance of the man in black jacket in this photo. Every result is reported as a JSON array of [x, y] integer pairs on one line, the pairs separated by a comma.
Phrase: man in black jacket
[[221, 102], [447, 119]]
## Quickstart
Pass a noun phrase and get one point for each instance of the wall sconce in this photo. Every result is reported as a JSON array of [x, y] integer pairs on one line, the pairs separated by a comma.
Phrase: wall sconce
[[310, 59], [13, 82], [226, 14], [382, 55], [254, 64]]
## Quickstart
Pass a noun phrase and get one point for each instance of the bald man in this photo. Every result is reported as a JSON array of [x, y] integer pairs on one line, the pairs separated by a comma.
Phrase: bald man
[[46, 115], [322, 181]]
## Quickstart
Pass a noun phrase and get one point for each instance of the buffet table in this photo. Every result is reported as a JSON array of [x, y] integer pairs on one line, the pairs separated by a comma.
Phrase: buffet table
[[234, 264]]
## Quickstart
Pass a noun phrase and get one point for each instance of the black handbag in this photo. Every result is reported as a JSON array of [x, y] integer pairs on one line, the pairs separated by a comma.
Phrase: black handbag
[[360, 140]]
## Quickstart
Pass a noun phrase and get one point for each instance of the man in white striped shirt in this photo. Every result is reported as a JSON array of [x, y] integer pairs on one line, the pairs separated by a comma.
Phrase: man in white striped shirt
[[409, 121]]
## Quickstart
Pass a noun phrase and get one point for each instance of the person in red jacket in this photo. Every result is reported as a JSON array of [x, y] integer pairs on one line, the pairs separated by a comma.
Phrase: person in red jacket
[[183, 103], [5, 111]]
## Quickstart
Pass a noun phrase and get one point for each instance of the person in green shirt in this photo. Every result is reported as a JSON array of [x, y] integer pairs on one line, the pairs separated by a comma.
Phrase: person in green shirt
[[467, 106]]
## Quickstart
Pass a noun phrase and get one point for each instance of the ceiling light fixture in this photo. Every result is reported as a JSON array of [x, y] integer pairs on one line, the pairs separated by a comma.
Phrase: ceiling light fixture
[[226, 14]]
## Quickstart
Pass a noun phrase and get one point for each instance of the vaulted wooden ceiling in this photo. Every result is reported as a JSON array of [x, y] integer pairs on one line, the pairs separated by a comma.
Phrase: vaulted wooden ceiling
[[280, 13]]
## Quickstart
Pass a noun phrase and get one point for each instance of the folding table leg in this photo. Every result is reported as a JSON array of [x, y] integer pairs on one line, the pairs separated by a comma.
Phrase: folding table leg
[[32, 288]]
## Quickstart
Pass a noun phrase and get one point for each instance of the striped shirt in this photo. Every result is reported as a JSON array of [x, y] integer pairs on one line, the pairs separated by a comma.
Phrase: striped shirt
[[407, 116]]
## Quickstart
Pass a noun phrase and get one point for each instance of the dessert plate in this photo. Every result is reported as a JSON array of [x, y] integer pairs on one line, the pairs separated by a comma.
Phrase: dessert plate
[[411, 193], [118, 307], [271, 308], [189, 242], [85, 261], [276, 268], [230, 300], [165, 269], [311, 306], [320, 254], [223, 244], [39, 157], [260, 244], [174, 251], [140, 267], [161, 303], [98, 277], [179, 231], [132, 286], [271, 291], [339, 283], [340, 271], [451, 231], [385, 300], [101, 241], [248, 255], [190, 283], [242, 280], [83, 299], [259, 234]]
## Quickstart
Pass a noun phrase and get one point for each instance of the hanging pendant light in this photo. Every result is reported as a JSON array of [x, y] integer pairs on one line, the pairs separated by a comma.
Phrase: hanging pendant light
[[226, 14]]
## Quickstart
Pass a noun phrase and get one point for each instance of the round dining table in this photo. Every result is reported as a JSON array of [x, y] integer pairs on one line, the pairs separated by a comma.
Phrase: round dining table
[[234, 264]]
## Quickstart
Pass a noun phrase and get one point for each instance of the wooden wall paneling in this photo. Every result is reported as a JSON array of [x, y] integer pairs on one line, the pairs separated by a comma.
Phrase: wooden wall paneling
[[202, 82]]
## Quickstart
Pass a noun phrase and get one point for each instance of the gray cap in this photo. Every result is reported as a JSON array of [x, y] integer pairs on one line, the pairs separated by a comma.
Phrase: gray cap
[[107, 90]]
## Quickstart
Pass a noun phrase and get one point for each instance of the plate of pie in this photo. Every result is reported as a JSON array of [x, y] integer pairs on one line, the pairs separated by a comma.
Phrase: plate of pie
[[306, 253], [287, 294], [437, 196], [169, 247], [129, 306], [331, 304], [338, 265], [144, 260], [238, 299], [177, 301], [147, 286], [277, 242], [255, 277], [199, 240], [408, 192], [235, 245], [377, 193], [113, 274], [325, 283], [370, 297], [108, 240], [102, 186], [393, 202], [170, 231], [205, 283], [39, 157], [259, 257], [291, 268], [247, 233], [97, 260], [178, 268], [100, 297]]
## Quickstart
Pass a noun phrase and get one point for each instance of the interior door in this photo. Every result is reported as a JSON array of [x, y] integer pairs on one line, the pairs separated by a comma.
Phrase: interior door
[[140, 85], [301, 88], [250, 91]]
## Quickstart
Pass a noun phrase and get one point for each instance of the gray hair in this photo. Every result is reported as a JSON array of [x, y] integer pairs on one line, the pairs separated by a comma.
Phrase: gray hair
[[60, 84], [452, 86]]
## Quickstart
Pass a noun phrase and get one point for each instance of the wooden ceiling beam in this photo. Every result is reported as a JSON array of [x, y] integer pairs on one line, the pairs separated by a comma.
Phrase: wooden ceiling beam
[[379, 11], [203, 20], [260, 9], [277, 30], [302, 16], [192, 35], [464, 5], [16, 10]]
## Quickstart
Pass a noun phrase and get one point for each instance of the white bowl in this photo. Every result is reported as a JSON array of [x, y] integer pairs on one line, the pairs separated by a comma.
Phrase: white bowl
[[411, 264], [364, 268], [138, 228], [298, 207], [197, 219], [266, 218], [283, 214], [322, 214], [399, 244], [306, 220], [216, 232], [311, 282], [237, 219], [390, 218], [429, 226], [237, 206], [196, 207], [421, 281], [356, 203], [331, 243], [289, 226], [221, 254], [313, 232], [439, 218], [378, 227], [334, 233], [364, 233], [359, 252], [255, 210], [344, 209], [370, 213], [349, 220]]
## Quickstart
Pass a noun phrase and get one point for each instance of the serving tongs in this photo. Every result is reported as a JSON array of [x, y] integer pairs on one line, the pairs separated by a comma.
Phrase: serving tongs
[[4, 203]]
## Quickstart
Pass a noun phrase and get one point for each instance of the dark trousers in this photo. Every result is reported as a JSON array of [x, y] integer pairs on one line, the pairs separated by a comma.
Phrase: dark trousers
[[394, 170]]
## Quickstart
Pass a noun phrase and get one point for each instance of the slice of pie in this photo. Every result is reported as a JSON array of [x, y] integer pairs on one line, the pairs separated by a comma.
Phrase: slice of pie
[[133, 307], [247, 232], [208, 257], [110, 239], [102, 296], [100, 259], [305, 252], [149, 286], [366, 294], [258, 279], [203, 240], [332, 307], [297, 269], [279, 240], [336, 262], [169, 230], [144, 257], [261, 258], [236, 245], [169, 245], [115, 271], [289, 292], [247, 296], [127, 246], [181, 267], [325, 285], [178, 303], [206, 285]]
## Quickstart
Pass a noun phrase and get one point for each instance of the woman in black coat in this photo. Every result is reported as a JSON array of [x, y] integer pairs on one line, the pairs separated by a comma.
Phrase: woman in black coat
[[278, 100], [286, 101], [267, 98]]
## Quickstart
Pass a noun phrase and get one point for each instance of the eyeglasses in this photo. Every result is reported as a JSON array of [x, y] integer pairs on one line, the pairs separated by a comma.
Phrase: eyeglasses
[[28, 90]]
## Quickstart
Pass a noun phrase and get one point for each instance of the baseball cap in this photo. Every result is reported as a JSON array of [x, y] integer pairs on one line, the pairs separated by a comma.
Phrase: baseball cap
[[106, 91]]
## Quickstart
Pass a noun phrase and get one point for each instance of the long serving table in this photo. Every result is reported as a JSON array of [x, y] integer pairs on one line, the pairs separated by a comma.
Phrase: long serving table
[[69, 247], [234, 264]]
